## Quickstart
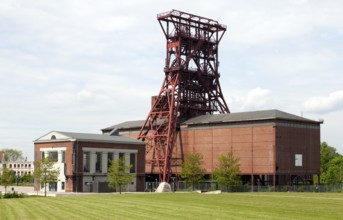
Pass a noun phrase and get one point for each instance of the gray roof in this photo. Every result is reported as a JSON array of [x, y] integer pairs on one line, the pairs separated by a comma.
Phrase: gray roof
[[96, 138], [125, 125], [231, 117], [246, 116], [220, 118]]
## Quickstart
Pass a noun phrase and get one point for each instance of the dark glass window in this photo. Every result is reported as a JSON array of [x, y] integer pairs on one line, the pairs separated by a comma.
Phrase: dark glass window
[[133, 163], [110, 157], [98, 162], [121, 155], [53, 155]]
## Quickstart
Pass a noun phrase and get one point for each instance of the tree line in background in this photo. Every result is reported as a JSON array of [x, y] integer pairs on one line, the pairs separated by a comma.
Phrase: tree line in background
[[8, 176]]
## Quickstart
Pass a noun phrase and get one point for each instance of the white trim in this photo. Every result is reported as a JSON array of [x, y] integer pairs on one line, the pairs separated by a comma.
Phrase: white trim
[[52, 148], [109, 150]]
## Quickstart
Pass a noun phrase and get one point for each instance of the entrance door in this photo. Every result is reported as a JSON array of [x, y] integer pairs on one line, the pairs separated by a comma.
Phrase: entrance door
[[53, 186]]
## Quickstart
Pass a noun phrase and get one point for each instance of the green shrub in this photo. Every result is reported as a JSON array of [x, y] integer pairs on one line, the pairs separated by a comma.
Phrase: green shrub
[[12, 195], [300, 189]]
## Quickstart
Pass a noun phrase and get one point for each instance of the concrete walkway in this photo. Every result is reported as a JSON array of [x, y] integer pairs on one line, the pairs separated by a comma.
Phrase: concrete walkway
[[21, 189], [28, 190]]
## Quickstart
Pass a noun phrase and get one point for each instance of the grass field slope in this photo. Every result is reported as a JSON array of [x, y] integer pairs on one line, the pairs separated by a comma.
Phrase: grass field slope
[[177, 206]]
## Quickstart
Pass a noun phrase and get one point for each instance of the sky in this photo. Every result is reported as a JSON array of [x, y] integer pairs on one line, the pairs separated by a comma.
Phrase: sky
[[83, 65]]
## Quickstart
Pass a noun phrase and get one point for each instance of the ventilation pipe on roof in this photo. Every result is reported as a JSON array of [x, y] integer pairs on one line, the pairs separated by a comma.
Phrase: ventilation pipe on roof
[[114, 132]]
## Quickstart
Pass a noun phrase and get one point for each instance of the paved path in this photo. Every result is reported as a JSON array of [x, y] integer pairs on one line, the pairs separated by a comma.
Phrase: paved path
[[21, 189]]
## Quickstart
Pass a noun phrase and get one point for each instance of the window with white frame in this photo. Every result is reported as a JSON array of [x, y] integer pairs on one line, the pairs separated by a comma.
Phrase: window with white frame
[[110, 157], [86, 162], [53, 156], [133, 163], [98, 168]]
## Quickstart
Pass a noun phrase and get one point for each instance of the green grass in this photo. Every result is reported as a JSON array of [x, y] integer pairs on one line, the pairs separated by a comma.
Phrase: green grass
[[177, 206]]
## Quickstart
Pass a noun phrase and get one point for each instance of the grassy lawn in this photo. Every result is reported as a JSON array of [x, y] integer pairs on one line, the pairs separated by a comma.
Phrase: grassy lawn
[[177, 206]]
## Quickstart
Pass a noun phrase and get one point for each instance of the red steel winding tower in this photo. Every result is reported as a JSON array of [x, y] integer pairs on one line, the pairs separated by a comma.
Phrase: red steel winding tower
[[190, 87]]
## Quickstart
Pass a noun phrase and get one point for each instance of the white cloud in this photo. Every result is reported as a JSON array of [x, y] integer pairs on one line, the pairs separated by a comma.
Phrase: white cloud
[[255, 99], [80, 65], [325, 104]]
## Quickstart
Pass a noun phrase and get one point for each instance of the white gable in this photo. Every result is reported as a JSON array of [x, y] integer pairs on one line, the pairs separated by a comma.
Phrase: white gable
[[53, 136]]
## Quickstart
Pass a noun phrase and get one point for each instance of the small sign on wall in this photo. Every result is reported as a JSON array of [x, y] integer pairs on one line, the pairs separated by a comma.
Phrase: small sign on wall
[[298, 160]]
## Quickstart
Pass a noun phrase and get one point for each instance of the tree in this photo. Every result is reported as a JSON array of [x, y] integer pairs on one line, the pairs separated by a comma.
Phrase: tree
[[7, 177], [327, 153], [227, 172], [330, 164], [45, 172], [192, 170], [26, 179], [119, 174], [334, 172], [12, 155]]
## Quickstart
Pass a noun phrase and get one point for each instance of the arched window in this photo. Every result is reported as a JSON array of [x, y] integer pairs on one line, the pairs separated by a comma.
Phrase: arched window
[[53, 137]]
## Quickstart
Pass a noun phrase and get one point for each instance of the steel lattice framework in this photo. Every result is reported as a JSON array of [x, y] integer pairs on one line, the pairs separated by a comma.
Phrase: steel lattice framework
[[190, 87]]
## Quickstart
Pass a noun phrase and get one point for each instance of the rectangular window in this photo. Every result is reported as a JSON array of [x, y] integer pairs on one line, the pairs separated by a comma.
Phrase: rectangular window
[[86, 162], [62, 185], [53, 186], [121, 155], [63, 156], [42, 155], [73, 159], [110, 157], [298, 160], [98, 162], [133, 163], [53, 155]]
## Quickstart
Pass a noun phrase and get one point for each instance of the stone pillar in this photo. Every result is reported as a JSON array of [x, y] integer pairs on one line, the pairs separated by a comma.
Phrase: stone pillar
[[92, 161], [127, 159], [46, 154], [59, 157], [115, 156]]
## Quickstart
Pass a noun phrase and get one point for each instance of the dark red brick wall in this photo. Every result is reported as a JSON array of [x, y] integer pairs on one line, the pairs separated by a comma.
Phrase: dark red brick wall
[[293, 140]]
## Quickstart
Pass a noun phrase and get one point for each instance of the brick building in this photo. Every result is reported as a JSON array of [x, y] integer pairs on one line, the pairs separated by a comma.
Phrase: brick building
[[83, 160], [274, 147]]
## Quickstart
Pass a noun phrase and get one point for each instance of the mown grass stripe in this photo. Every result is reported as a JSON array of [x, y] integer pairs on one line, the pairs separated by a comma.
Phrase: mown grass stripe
[[176, 206]]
